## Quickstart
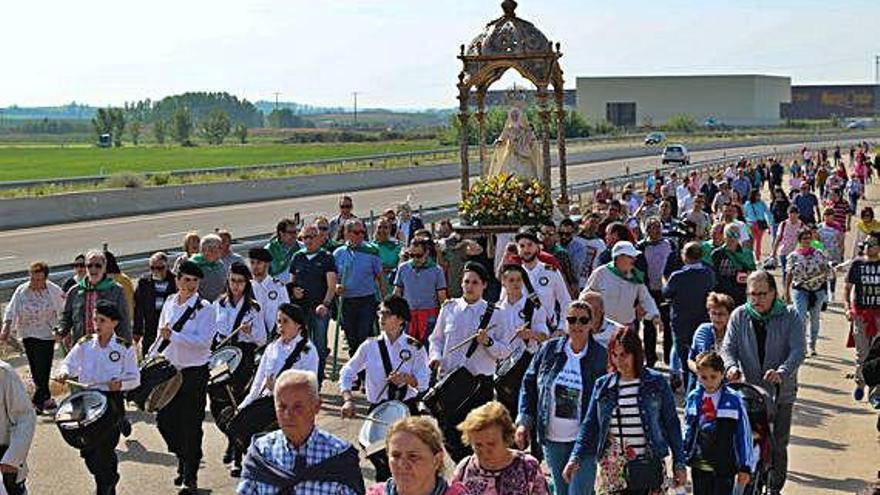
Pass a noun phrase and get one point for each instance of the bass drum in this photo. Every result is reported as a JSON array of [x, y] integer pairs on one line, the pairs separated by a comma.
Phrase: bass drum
[[84, 418], [254, 418], [378, 422], [509, 376], [223, 364], [449, 399], [160, 382]]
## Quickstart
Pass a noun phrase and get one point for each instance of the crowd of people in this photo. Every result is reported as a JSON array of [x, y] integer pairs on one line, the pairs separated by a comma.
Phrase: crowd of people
[[539, 348]]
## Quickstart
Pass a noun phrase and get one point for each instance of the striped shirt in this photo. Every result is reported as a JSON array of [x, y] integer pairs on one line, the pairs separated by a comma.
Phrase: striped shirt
[[626, 424]]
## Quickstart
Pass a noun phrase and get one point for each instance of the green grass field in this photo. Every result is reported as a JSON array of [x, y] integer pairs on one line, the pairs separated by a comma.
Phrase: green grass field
[[42, 162]]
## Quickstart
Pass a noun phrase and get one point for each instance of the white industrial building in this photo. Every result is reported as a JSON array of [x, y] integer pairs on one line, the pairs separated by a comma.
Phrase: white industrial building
[[736, 100]]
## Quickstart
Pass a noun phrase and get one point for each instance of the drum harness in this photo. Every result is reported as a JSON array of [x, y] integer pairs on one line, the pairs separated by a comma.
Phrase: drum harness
[[178, 325], [395, 392]]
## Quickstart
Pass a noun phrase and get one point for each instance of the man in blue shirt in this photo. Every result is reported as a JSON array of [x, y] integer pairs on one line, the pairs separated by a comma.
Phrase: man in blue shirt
[[807, 204], [687, 289], [742, 185], [360, 279], [423, 284]]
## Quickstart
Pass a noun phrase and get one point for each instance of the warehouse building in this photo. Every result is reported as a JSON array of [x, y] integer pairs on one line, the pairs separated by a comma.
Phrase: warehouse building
[[735, 100], [826, 101]]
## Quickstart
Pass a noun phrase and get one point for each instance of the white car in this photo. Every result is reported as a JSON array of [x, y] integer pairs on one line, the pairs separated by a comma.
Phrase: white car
[[675, 153]]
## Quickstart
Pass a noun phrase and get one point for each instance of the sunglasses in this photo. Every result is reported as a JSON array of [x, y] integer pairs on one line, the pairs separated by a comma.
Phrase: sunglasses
[[578, 320], [79, 265], [323, 228], [345, 207], [158, 268], [95, 265], [308, 237]]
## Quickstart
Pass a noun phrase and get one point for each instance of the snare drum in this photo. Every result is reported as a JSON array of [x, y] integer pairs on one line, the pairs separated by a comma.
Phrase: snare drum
[[223, 364], [509, 376], [160, 382], [378, 422], [84, 418]]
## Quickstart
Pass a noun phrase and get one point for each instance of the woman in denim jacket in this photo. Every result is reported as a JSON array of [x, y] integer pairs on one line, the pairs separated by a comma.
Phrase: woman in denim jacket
[[632, 404], [556, 392]]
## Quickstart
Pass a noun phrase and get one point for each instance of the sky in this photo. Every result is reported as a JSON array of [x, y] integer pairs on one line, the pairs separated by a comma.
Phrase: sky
[[402, 53]]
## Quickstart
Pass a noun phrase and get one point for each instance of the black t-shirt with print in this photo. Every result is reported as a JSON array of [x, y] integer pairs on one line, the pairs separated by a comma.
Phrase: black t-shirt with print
[[865, 277]]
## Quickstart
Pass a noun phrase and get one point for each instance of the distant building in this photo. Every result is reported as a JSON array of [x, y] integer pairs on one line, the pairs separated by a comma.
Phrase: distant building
[[826, 101], [499, 98], [736, 100]]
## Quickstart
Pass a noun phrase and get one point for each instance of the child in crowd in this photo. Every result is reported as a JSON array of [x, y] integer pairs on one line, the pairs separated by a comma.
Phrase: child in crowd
[[717, 434]]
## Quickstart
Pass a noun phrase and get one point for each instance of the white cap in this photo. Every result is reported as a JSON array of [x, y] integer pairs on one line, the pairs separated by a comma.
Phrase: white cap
[[624, 248]]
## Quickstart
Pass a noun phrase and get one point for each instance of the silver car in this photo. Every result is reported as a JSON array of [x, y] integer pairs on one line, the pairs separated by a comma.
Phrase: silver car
[[675, 153]]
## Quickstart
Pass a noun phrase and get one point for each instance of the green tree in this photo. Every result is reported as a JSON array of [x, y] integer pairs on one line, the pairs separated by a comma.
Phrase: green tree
[[102, 123], [117, 120], [135, 130], [681, 122], [216, 127], [182, 126], [285, 118], [241, 132], [160, 130]]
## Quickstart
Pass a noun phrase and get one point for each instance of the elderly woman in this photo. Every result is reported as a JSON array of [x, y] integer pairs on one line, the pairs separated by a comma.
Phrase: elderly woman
[[82, 299], [416, 456], [33, 312], [209, 261], [732, 264], [806, 275], [631, 415], [495, 468], [709, 335], [764, 345], [556, 392]]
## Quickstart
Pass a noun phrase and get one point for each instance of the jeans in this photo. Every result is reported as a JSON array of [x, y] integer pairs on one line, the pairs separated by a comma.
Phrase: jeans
[[317, 329], [782, 258], [358, 320], [556, 454], [39, 355], [853, 203], [810, 316]]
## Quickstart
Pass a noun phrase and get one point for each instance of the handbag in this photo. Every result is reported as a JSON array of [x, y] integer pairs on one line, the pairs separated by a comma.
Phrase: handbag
[[644, 473], [762, 225]]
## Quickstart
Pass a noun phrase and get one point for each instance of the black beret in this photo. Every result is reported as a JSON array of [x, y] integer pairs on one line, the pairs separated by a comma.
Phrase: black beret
[[260, 254], [240, 268], [191, 269], [108, 309], [478, 268]]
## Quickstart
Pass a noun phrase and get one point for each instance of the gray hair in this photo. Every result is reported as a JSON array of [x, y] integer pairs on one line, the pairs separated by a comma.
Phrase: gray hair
[[762, 276], [581, 305], [210, 241], [95, 253], [158, 256], [297, 378], [353, 223]]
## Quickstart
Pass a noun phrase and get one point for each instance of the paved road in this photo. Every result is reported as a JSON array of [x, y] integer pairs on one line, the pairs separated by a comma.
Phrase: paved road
[[834, 447], [58, 244]]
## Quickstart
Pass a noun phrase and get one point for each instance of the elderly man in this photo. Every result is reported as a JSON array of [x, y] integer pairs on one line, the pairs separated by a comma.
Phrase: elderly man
[[300, 457], [407, 223], [623, 288], [601, 326], [764, 345], [209, 260], [360, 278], [17, 425], [77, 318], [227, 256], [655, 252]]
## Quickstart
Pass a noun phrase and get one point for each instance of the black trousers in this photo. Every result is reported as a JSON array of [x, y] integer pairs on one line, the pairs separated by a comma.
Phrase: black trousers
[[101, 458], [707, 483], [358, 320], [180, 422], [39, 355], [451, 436], [650, 333], [148, 338]]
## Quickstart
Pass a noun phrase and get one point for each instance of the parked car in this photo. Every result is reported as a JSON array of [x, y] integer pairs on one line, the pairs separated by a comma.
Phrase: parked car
[[654, 138], [857, 124], [675, 153]]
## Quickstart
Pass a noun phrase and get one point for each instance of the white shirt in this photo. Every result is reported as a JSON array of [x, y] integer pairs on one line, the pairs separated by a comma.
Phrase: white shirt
[[226, 315], [270, 293], [368, 358], [192, 345], [273, 360], [511, 315], [551, 288], [620, 296], [95, 366], [17, 420], [565, 398], [459, 320]]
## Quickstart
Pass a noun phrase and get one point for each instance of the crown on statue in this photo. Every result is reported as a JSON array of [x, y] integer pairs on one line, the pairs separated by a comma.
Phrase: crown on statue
[[517, 98]]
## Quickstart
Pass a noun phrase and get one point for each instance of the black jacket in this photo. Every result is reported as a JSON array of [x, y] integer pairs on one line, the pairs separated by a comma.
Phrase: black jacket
[[146, 316]]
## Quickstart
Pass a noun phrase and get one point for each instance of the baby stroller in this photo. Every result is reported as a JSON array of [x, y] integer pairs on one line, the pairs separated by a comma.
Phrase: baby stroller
[[761, 409]]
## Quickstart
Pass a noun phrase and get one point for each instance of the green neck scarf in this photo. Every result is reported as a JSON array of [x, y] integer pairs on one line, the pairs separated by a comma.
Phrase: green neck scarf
[[205, 265], [281, 256], [430, 263], [743, 259], [635, 277], [365, 247], [105, 284], [777, 309]]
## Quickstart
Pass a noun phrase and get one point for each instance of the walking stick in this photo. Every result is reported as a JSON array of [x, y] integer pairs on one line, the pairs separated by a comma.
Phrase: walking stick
[[334, 372]]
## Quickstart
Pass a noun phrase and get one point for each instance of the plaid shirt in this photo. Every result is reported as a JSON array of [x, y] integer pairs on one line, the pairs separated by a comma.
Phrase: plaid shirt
[[275, 447]]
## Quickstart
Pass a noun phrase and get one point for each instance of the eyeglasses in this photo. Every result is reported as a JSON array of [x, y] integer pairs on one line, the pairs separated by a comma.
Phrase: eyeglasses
[[345, 207], [578, 320], [323, 228], [95, 265], [157, 268], [758, 294]]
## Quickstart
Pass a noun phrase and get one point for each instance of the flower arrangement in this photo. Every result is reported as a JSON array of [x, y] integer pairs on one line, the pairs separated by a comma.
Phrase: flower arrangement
[[506, 199]]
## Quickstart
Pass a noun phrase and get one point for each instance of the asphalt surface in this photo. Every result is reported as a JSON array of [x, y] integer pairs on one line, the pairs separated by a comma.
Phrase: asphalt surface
[[60, 243]]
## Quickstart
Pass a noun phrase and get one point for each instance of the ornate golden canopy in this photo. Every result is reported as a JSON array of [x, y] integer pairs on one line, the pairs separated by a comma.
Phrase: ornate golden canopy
[[511, 43]]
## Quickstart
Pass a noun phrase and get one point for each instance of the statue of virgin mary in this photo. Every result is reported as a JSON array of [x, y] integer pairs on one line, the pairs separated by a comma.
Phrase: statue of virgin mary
[[516, 149]]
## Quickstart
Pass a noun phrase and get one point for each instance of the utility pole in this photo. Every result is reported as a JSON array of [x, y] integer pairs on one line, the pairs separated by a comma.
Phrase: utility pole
[[276, 100], [355, 94], [877, 69]]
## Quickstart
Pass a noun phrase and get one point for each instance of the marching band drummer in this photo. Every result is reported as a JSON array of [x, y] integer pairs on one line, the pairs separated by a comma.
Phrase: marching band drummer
[[390, 374], [291, 323], [269, 291], [459, 320], [109, 364], [180, 421], [546, 280], [240, 323]]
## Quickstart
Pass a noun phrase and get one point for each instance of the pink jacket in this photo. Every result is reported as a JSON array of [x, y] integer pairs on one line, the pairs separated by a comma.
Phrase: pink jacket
[[455, 488]]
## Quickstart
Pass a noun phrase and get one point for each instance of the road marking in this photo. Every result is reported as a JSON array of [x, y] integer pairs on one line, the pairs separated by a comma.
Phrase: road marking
[[176, 234], [12, 257]]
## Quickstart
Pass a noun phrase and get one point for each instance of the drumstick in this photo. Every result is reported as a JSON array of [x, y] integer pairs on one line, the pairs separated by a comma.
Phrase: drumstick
[[228, 338], [467, 340], [72, 382], [374, 420]]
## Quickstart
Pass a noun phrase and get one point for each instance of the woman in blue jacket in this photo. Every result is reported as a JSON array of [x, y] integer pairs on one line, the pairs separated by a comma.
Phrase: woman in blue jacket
[[556, 392], [631, 413]]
